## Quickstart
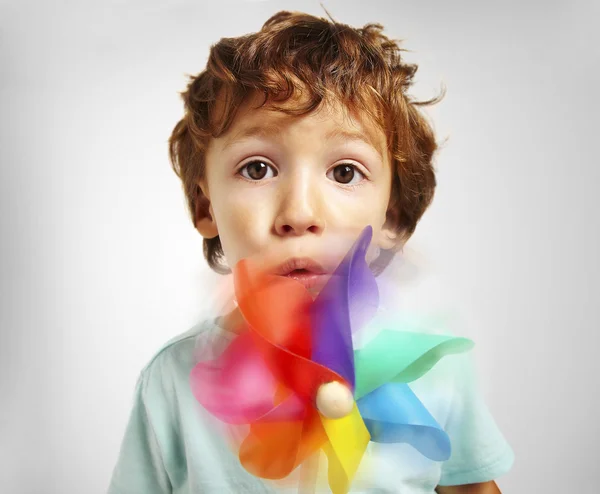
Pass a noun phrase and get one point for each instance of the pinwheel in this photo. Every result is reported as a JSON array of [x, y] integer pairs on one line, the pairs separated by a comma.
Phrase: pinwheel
[[295, 379]]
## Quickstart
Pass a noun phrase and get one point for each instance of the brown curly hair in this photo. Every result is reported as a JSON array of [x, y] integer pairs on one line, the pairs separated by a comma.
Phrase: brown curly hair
[[358, 67]]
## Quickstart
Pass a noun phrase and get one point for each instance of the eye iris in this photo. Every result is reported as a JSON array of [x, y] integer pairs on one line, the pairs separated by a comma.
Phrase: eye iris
[[343, 173], [256, 170]]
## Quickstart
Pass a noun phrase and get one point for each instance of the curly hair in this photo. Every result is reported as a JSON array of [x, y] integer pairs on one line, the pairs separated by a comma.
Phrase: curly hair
[[358, 67]]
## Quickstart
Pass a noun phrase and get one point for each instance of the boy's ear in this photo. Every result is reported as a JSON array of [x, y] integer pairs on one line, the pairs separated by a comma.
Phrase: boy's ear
[[205, 223], [388, 236]]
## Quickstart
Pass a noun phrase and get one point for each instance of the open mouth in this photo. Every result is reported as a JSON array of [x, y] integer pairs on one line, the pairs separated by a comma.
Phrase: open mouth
[[301, 271]]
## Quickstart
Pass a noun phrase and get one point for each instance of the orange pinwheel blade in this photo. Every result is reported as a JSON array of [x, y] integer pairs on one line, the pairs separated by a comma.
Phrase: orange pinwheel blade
[[273, 450], [274, 306]]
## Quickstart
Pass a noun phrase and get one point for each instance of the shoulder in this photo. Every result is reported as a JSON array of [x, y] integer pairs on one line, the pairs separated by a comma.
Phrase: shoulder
[[164, 398], [175, 359], [164, 425]]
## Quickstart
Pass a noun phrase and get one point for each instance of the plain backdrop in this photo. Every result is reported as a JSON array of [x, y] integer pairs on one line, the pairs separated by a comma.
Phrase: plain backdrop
[[100, 264]]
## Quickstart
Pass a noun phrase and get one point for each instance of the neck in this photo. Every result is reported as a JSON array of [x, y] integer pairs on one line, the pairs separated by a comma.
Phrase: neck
[[232, 321]]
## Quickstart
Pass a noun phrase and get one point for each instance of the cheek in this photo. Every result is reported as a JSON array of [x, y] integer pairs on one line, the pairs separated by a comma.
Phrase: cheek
[[240, 225], [355, 215]]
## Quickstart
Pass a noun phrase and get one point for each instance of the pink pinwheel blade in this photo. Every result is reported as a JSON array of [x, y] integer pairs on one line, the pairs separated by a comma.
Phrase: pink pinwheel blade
[[238, 387]]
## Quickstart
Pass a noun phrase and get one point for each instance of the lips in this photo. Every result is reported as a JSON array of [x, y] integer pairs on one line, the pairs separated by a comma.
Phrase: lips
[[303, 264], [305, 270]]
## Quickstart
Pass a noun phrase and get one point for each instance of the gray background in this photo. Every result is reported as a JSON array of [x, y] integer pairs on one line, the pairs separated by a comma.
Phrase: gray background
[[100, 265]]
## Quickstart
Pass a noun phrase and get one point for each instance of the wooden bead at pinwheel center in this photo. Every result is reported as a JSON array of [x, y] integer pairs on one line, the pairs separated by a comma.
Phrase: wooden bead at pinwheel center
[[334, 400]]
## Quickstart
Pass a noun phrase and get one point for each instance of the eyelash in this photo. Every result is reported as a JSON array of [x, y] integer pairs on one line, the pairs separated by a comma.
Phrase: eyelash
[[349, 186]]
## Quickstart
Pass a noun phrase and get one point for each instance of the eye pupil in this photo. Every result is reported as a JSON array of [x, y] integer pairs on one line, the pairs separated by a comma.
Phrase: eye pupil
[[257, 170], [343, 173]]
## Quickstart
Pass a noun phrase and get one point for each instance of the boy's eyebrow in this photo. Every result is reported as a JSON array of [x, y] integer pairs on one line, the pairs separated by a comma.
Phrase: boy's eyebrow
[[270, 130]]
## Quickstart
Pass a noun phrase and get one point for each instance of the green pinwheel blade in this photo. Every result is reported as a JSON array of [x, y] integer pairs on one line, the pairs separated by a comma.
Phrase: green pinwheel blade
[[401, 356]]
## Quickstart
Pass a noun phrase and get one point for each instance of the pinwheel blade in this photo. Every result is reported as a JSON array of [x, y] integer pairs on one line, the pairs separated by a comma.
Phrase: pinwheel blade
[[393, 413], [272, 450], [274, 306], [348, 301], [238, 388], [348, 439], [401, 356], [363, 293]]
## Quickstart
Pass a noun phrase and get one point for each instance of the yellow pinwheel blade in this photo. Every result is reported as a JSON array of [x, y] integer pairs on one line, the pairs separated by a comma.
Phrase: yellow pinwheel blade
[[348, 440]]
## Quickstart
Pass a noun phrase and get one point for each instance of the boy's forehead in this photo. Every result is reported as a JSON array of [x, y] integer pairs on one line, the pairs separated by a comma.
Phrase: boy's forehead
[[332, 117]]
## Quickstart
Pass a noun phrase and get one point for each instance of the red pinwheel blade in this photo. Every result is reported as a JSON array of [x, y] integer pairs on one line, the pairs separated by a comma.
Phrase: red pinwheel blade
[[277, 310]]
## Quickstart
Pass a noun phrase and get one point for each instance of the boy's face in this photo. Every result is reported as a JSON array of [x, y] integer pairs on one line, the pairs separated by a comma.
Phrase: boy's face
[[294, 192]]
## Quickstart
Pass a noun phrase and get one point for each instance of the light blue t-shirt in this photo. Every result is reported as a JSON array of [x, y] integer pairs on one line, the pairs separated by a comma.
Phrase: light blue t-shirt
[[172, 445]]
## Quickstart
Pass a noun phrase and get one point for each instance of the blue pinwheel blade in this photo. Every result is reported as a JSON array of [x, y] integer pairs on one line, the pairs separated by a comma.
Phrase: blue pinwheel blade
[[347, 301], [393, 413]]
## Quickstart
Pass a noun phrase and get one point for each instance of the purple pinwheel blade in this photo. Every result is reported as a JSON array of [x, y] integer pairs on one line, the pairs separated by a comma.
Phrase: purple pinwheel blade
[[347, 301], [363, 294]]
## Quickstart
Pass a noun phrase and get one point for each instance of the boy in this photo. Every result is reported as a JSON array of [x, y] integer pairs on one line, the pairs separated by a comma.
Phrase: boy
[[294, 139]]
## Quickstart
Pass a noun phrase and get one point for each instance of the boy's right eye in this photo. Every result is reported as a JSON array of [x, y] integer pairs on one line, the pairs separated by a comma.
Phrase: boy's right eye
[[255, 170]]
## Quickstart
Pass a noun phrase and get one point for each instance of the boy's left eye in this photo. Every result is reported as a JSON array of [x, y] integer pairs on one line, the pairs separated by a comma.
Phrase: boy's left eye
[[345, 173]]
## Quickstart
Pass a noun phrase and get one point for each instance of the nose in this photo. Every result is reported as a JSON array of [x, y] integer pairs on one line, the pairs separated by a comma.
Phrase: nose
[[301, 208]]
